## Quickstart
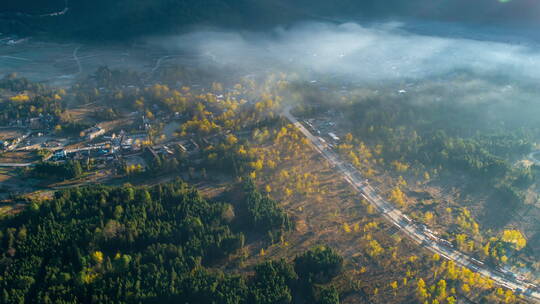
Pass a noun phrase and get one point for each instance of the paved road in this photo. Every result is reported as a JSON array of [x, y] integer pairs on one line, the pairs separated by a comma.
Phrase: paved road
[[424, 237]]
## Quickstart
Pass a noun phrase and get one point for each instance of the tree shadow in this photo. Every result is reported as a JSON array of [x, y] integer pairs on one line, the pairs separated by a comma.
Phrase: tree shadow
[[497, 212]]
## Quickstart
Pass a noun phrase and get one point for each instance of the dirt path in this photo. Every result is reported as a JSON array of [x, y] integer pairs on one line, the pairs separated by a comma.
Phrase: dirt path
[[76, 58]]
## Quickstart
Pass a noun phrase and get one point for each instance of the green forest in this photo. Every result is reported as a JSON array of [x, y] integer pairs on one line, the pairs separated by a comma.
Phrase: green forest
[[155, 244]]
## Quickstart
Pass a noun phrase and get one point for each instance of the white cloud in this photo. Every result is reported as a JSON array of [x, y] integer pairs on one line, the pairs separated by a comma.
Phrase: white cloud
[[381, 52]]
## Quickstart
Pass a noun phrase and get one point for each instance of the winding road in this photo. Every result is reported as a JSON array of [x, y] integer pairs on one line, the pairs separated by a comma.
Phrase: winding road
[[398, 219], [76, 58], [158, 64]]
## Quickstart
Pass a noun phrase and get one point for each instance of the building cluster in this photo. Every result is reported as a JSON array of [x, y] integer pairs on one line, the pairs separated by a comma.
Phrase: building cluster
[[116, 147], [93, 132], [324, 128], [12, 143]]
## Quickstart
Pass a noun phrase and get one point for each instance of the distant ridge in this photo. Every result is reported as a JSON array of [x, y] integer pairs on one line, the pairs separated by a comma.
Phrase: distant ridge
[[125, 19]]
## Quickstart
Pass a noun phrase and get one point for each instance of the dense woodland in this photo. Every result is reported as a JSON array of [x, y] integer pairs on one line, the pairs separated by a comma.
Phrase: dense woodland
[[159, 244], [65, 170]]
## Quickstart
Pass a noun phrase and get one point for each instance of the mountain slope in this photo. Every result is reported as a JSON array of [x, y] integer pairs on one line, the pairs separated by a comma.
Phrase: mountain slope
[[104, 19]]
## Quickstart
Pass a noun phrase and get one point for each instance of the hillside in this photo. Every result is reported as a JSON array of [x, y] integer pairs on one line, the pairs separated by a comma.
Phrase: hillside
[[210, 246], [103, 19]]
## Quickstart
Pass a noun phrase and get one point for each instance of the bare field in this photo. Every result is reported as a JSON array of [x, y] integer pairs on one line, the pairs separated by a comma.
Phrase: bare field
[[11, 182], [4, 175], [83, 114], [62, 64], [18, 157], [333, 215], [7, 133]]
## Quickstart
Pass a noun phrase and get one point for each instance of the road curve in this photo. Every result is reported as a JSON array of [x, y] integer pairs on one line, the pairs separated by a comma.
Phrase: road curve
[[535, 157], [396, 217]]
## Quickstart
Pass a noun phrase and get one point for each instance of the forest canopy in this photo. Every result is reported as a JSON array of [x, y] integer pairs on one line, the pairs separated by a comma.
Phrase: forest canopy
[[129, 244]]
